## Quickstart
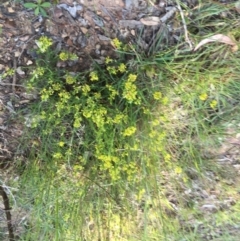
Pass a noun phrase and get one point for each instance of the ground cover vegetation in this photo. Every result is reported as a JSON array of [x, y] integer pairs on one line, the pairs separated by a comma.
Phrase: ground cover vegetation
[[112, 150]]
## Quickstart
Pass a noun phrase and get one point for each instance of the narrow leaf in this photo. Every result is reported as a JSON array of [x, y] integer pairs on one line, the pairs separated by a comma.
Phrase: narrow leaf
[[36, 12], [46, 5], [30, 5], [43, 12]]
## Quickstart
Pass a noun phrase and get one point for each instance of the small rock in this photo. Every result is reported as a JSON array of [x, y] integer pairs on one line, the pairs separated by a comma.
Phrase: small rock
[[83, 21], [103, 52], [162, 4], [237, 166], [130, 24], [209, 208], [29, 62], [19, 71], [17, 54], [28, 96], [103, 38], [98, 46]]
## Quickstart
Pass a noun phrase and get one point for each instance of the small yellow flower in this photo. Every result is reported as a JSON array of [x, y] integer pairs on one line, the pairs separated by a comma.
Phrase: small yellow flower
[[155, 122], [93, 76], [165, 100], [116, 43], [70, 79], [132, 77], [61, 143], [167, 157], [9, 72], [73, 57], [57, 155], [157, 95], [203, 96], [178, 170], [44, 43], [85, 89], [112, 70], [108, 60], [77, 122], [63, 56], [122, 68], [129, 131], [213, 104]]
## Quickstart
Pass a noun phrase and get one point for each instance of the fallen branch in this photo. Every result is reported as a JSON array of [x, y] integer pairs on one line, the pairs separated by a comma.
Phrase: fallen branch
[[8, 214]]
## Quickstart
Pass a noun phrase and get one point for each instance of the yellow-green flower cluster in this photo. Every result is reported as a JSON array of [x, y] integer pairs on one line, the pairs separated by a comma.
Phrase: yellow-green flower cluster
[[105, 101], [116, 43], [64, 96], [130, 89], [213, 104], [157, 95], [108, 60], [93, 76], [99, 116], [112, 70], [70, 79], [129, 131], [119, 118], [64, 56], [203, 96], [113, 92], [9, 72], [61, 143], [122, 68], [44, 43], [86, 89], [39, 71], [46, 93], [108, 161]]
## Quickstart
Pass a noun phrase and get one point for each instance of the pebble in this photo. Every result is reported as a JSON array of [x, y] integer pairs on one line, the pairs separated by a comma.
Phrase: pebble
[[103, 52], [98, 46], [209, 208]]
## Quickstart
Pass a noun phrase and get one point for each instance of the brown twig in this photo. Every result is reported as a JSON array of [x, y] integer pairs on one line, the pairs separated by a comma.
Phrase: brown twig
[[14, 75], [8, 214]]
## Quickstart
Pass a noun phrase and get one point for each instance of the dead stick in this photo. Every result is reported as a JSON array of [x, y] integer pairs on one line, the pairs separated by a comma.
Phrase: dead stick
[[14, 75], [8, 214]]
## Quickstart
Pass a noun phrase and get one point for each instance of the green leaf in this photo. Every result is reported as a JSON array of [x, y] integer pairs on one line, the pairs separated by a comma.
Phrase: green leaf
[[46, 5], [30, 5], [43, 12], [36, 12]]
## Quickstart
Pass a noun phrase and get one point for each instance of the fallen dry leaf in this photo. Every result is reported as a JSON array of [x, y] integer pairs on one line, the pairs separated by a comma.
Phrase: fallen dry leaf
[[218, 38], [237, 6], [150, 21]]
